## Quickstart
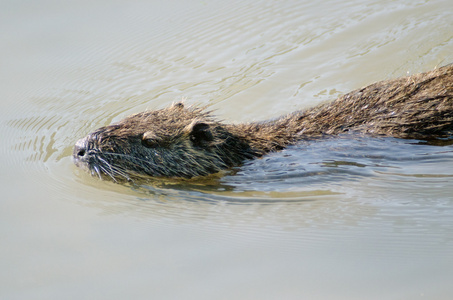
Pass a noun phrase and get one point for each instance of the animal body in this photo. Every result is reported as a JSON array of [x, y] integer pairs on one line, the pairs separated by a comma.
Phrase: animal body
[[187, 142]]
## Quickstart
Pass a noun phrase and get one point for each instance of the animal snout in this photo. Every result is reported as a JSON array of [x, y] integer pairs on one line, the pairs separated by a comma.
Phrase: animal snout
[[80, 153]]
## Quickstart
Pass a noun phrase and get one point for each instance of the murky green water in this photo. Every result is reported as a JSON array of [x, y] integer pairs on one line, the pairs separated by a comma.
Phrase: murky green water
[[351, 217]]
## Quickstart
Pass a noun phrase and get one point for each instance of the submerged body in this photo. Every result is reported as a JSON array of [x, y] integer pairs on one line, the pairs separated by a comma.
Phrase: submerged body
[[189, 142]]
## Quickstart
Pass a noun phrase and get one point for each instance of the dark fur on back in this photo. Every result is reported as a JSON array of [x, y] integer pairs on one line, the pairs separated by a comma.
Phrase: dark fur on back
[[187, 141]]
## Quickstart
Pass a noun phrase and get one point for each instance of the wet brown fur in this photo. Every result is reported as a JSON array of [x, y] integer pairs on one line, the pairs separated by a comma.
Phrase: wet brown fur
[[188, 142]]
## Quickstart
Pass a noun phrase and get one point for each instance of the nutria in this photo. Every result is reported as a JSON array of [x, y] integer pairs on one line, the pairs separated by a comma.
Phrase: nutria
[[187, 142]]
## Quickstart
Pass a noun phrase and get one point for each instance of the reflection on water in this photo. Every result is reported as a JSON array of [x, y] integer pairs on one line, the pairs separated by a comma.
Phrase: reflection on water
[[342, 160], [337, 182], [334, 166], [348, 217]]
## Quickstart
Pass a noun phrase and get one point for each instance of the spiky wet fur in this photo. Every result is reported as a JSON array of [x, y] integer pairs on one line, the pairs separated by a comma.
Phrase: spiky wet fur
[[188, 141]]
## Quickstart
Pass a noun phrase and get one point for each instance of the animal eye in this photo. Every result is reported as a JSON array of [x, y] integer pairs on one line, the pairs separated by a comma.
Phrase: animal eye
[[150, 140], [149, 143]]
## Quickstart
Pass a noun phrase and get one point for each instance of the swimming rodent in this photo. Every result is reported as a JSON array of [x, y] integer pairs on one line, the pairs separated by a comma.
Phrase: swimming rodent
[[187, 142]]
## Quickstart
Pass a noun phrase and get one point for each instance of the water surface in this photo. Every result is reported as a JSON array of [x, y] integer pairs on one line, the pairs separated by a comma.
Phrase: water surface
[[350, 217]]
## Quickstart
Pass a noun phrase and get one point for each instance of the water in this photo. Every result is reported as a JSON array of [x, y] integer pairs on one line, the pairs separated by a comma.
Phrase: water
[[351, 217]]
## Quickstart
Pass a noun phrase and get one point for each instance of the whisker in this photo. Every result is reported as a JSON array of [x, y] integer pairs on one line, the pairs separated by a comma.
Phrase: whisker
[[130, 157], [96, 168], [112, 170], [134, 161], [108, 173], [122, 173]]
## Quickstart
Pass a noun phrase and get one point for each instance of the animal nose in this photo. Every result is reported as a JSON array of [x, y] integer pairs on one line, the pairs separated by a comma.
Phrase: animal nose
[[80, 149]]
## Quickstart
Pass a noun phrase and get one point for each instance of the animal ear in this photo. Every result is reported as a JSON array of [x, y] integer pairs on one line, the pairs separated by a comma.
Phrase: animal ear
[[200, 133], [178, 105]]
